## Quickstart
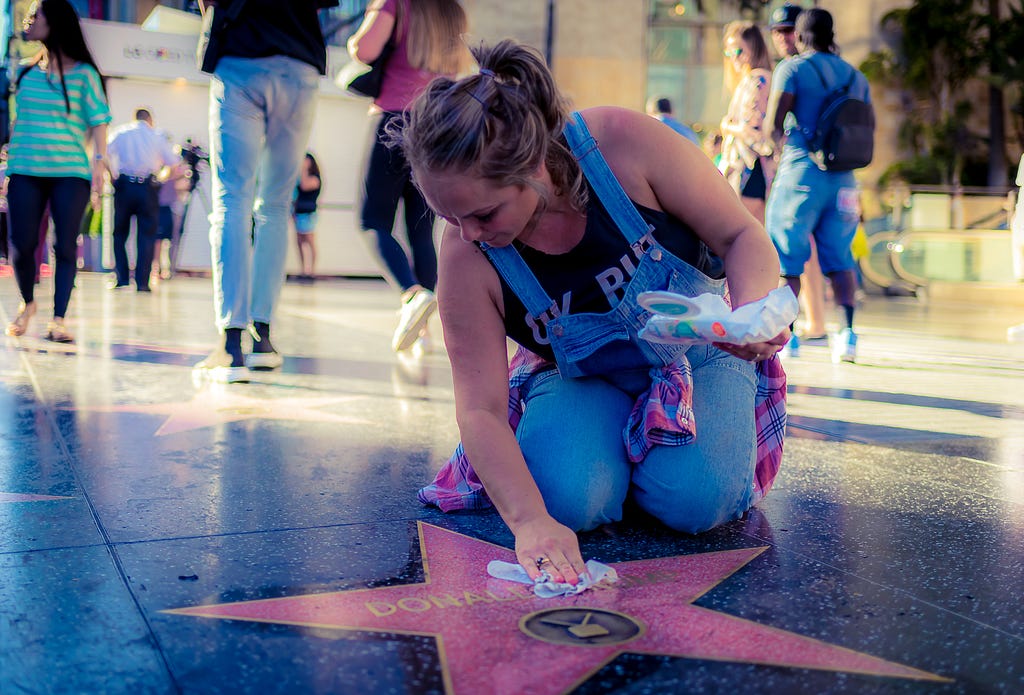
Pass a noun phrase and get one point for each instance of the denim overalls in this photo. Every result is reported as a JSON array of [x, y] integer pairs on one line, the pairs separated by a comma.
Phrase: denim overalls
[[571, 431]]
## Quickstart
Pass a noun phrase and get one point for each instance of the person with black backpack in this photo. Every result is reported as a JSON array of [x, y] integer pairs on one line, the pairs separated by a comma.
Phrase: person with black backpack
[[814, 194]]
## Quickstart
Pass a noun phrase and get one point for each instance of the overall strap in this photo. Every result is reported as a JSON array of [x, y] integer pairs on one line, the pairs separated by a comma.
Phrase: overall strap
[[511, 266], [604, 183]]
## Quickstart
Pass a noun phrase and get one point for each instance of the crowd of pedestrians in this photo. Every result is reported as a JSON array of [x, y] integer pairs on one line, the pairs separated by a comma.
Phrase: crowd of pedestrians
[[554, 222]]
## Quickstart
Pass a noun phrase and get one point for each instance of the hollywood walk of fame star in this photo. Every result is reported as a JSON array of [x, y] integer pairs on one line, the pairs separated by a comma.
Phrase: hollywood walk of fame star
[[476, 620], [217, 406], [8, 497]]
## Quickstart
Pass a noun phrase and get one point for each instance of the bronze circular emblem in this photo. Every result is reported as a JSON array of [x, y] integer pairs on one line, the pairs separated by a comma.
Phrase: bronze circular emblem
[[583, 627]]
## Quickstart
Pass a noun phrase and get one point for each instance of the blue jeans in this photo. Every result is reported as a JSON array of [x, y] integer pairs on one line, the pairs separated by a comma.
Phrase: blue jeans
[[571, 438], [261, 114], [804, 202]]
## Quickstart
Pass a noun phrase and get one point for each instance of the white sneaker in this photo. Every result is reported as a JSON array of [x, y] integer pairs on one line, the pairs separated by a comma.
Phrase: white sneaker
[[1015, 334], [414, 316], [217, 368], [844, 346], [263, 360]]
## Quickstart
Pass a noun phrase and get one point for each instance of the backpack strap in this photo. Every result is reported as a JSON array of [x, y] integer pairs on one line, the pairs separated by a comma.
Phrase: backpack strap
[[510, 264]]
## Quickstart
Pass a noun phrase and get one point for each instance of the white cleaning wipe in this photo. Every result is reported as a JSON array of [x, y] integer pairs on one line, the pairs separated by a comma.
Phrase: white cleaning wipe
[[543, 586], [708, 319]]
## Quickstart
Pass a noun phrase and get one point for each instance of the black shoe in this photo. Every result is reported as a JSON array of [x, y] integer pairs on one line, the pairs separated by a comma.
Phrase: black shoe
[[263, 355], [145, 289], [119, 285]]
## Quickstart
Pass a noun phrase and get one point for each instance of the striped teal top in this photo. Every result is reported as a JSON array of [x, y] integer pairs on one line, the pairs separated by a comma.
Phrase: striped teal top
[[46, 139]]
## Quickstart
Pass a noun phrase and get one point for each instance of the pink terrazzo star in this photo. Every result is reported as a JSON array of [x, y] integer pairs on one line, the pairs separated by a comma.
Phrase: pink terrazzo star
[[476, 620]]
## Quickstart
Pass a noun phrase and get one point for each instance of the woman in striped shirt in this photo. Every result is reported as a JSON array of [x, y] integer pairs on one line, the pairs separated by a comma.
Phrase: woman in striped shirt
[[60, 105]]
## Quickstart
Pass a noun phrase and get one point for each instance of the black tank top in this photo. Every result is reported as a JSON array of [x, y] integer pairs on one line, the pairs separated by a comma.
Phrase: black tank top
[[591, 277], [305, 201]]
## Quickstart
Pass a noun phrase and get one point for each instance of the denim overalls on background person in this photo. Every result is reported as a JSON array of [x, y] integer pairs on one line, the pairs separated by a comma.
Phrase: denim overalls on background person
[[261, 115], [571, 430]]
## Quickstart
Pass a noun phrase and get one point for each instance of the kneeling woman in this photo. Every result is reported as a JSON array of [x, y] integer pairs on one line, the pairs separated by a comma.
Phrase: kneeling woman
[[531, 251]]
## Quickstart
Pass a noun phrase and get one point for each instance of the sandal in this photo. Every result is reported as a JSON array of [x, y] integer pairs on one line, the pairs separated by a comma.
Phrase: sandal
[[19, 325], [57, 333]]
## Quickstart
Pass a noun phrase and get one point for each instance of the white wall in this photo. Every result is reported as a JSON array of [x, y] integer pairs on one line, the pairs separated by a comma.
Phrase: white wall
[[157, 70]]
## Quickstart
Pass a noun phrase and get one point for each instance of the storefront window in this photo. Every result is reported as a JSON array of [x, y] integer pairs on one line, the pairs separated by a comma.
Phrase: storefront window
[[685, 52]]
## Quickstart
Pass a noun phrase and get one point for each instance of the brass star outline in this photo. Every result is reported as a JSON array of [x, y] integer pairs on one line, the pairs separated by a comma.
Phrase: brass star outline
[[474, 619]]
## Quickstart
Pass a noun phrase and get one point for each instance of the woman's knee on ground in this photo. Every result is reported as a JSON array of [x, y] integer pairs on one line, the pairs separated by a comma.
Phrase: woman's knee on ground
[[691, 505]]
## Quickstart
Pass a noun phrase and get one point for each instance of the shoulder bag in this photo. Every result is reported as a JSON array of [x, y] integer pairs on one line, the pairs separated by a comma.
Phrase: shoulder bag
[[363, 80], [216, 19]]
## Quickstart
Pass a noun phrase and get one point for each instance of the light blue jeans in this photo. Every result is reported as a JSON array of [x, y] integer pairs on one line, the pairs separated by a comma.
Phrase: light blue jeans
[[571, 438], [807, 202], [261, 114]]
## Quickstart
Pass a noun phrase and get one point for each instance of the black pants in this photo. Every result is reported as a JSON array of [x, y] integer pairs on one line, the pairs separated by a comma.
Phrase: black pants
[[27, 197], [141, 200], [386, 180]]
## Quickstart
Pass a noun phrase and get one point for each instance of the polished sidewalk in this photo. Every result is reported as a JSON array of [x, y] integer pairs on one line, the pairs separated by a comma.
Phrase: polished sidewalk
[[159, 535]]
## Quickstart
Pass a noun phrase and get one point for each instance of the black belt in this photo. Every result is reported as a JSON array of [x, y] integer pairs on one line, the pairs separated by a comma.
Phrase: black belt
[[137, 179]]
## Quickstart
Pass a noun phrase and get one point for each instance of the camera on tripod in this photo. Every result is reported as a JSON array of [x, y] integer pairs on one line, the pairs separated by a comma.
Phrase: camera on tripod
[[191, 155]]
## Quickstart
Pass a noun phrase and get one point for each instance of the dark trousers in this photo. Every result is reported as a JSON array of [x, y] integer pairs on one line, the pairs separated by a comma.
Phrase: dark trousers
[[27, 197], [138, 199], [386, 180], [3, 235]]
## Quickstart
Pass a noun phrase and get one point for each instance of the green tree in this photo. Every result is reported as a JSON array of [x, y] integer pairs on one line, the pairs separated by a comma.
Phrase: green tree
[[1007, 63], [935, 48]]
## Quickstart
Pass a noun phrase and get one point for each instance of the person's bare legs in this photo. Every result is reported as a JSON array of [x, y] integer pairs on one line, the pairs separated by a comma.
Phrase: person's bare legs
[[307, 253], [812, 300]]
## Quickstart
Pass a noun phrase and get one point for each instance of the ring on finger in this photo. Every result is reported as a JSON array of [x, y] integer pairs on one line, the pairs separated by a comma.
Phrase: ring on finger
[[541, 560]]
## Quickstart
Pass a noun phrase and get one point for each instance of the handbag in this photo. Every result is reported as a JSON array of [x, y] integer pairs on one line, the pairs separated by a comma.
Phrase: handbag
[[364, 80], [215, 22]]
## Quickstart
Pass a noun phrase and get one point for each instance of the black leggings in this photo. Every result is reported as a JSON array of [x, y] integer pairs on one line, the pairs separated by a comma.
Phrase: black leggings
[[27, 197], [386, 180]]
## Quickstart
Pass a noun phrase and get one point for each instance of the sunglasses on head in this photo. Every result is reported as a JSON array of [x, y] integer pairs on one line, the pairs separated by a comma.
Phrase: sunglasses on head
[[733, 52]]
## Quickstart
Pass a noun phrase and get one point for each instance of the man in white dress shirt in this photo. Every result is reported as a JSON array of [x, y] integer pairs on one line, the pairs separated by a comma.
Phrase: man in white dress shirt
[[138, 155]]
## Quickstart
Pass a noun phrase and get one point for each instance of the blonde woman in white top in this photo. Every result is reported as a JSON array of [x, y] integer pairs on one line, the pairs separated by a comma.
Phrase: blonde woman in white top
[[747, 160]]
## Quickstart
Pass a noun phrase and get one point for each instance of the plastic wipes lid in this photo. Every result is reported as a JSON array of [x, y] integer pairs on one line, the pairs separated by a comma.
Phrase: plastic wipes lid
[[708, 319]]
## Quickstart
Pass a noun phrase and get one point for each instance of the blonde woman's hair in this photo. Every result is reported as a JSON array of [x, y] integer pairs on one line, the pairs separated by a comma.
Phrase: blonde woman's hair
[[751, 35], [436, 29], [500, 124]]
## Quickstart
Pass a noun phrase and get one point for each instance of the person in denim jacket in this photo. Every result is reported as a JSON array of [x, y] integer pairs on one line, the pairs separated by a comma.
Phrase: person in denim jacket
[[490, 156]]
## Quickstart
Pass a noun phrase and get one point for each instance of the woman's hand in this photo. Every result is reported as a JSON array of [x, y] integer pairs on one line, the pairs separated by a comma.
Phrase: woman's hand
[[757, 352], [546, 545], [99, 171]]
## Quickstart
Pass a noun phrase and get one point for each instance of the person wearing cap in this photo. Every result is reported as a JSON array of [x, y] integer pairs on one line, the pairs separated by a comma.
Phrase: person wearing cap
[[781, 24], [806, 202]]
